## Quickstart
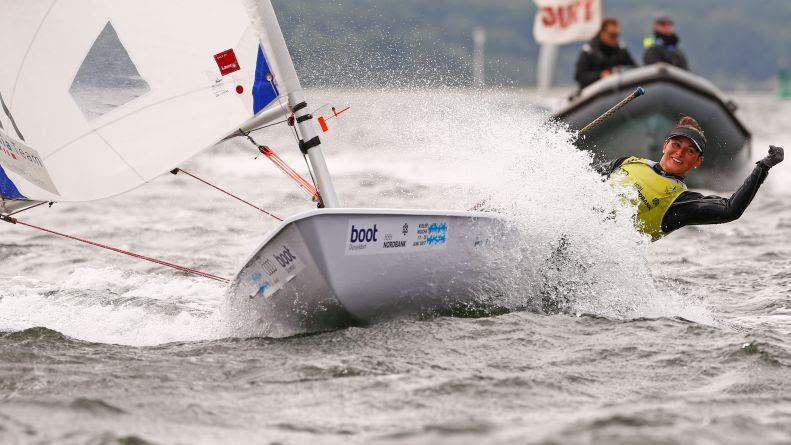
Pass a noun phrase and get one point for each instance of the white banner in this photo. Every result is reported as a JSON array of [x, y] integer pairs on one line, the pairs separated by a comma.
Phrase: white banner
[[565, 21]]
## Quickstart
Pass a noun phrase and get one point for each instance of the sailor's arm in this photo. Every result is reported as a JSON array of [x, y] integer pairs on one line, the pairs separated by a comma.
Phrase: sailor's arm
[[695, 209]]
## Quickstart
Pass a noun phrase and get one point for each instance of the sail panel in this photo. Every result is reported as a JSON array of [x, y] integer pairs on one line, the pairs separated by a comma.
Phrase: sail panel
[[264, 89], [112, 94]]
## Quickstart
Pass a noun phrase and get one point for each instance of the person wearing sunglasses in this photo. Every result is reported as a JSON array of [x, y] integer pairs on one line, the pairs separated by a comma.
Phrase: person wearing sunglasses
[[603, 55], [663, 46], [663, 202]]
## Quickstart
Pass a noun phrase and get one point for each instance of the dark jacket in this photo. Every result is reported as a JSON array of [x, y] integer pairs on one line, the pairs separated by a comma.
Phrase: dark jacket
[[664, 49], [596, 57]]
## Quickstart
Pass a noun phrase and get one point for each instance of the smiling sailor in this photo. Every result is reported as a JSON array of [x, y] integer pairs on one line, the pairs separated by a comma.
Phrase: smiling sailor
[[664, 203]]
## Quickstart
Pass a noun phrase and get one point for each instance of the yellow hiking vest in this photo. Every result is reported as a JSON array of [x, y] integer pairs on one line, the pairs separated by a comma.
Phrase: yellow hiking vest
[[655, 193]]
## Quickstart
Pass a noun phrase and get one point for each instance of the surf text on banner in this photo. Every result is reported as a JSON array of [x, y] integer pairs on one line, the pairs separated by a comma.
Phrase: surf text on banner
[[565, 21]]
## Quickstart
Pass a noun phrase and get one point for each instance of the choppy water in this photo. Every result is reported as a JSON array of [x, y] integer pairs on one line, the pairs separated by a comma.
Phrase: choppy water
[[687, 340]]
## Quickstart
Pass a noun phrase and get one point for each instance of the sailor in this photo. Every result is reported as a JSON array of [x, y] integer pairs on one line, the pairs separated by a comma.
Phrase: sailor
[[663, 203], [603, 55], [663, 46]]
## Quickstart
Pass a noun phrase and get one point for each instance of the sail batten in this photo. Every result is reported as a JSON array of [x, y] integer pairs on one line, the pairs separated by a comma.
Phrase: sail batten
[[112, 94], [28, 46]]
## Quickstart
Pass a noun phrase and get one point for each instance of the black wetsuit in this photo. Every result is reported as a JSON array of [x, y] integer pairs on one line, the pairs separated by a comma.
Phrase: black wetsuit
[[693, 208]]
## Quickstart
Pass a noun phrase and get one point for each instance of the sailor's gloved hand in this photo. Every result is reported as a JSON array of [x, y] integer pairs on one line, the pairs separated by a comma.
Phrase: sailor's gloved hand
[[774, 157]]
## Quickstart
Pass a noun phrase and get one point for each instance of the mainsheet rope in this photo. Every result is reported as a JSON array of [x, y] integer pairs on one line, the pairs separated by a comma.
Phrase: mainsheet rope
[[117, 250]]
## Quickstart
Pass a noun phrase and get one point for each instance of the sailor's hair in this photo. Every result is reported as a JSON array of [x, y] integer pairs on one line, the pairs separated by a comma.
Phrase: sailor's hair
[[689, 122]]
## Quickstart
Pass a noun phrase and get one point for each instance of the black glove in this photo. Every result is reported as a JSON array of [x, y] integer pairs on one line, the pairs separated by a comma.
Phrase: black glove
[[774, 157]]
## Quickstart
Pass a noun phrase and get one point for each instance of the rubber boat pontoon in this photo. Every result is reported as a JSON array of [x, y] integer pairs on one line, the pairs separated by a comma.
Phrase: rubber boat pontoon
[[640, 128]]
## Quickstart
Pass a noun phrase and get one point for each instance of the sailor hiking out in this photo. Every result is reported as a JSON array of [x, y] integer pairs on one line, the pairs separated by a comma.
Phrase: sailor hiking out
[[663, 202]]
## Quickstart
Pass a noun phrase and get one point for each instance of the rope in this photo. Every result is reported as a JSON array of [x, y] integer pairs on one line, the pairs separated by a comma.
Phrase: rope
[[269, 125], [309, 188], [177, 170], [290, 172], [121, 251]]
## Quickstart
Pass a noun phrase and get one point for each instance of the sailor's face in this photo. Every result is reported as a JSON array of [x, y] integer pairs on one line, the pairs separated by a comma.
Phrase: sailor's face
[[609, 36], [680, 156], [664, 28]]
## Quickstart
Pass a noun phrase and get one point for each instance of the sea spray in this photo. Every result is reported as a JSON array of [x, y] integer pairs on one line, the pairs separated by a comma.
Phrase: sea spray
[[576, 248]]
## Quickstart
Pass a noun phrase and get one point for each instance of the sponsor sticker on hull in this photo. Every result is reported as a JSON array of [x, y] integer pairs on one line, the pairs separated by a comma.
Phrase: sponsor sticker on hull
[[17, 157], [274, 268], [376, 236]]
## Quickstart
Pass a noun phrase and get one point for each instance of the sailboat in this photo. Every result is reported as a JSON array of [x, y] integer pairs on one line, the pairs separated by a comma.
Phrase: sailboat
[[100, 97]]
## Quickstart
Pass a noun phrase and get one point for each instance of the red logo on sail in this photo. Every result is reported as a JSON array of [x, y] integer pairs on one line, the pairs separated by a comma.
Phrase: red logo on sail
[[227, 62]]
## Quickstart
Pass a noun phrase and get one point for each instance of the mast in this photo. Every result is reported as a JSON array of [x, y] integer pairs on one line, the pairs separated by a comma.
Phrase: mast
[[286, 77]]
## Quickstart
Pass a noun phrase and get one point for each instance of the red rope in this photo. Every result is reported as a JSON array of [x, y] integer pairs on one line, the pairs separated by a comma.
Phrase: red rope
[[290, 172], [227, 193], [125, 252]]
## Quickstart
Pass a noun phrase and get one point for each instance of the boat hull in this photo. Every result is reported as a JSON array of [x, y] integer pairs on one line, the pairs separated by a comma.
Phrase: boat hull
[[335, 267], [640, 128]]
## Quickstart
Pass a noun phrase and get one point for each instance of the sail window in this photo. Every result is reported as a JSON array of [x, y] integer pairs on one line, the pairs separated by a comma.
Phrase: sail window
[[107, 78]]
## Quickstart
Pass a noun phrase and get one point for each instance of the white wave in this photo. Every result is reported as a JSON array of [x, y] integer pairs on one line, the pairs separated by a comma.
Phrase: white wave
[[112, 306]]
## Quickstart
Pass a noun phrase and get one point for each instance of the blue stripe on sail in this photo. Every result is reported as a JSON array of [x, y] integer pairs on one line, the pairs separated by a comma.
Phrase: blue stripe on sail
[[264, 91], [7, 188]]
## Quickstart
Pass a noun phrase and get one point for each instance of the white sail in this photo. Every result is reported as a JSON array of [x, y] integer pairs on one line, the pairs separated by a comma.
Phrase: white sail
[[101, 96]]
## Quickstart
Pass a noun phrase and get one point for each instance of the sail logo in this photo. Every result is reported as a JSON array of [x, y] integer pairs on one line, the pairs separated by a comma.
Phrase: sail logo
[[15, 152], [17, 157], [227, 62]]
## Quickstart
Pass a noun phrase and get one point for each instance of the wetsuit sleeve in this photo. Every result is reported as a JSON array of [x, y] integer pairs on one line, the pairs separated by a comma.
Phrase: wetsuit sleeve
[[692, 208], [585, 73]]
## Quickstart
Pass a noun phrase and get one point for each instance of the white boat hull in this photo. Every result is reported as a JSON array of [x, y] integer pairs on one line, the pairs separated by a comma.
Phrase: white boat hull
[[333, 267]]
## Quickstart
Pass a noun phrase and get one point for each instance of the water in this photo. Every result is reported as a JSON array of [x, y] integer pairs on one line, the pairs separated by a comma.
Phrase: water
[[687, 340]]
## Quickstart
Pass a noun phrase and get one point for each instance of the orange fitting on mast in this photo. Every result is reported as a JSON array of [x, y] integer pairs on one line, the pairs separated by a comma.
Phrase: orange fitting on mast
[[323, 124], [338, 113]]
